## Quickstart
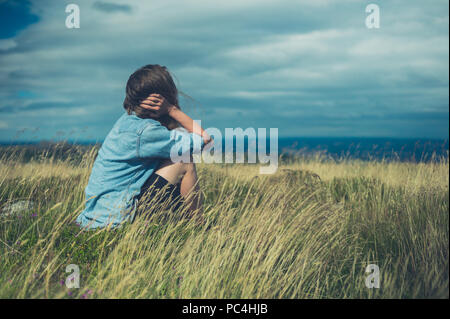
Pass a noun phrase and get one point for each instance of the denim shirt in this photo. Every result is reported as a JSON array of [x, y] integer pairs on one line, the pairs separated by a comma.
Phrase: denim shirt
[[130, 153]]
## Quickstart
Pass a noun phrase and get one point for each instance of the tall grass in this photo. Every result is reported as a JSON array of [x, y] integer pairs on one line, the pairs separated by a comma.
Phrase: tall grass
[[308, 231]]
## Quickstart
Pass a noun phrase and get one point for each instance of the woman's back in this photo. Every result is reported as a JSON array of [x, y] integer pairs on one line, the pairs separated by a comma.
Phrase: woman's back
[[131, 152]]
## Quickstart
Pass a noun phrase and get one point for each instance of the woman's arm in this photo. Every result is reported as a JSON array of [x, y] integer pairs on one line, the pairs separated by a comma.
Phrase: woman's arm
[[158, 104], [189, 124]]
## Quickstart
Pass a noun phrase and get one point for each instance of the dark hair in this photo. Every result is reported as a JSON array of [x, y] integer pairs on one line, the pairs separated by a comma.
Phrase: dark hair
[[151, 78]]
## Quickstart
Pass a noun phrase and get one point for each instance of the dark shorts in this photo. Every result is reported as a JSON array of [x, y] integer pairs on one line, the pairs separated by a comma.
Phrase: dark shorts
[[157, 193]]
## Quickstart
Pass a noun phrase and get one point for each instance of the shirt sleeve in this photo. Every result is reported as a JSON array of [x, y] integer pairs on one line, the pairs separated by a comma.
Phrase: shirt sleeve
[[157, 141]]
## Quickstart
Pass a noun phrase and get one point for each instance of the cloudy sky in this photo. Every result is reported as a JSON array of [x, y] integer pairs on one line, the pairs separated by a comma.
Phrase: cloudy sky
[[309, 68]]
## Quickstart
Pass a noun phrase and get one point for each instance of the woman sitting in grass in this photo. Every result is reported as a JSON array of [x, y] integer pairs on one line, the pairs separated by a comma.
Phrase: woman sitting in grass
[[135, 157]]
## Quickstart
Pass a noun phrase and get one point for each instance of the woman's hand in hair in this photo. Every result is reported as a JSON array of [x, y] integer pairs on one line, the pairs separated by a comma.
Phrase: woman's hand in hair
[[157, 105]]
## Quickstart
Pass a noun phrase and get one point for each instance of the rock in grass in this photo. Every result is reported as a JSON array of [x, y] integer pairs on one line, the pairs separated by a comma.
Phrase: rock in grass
[[16, 207]]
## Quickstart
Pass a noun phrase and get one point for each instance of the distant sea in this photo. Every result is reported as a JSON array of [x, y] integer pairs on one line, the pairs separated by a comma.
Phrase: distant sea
[[364, 148], [368, 148]]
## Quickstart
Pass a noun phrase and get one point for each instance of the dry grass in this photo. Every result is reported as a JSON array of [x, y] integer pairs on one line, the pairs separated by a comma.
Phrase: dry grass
[[288, 235]]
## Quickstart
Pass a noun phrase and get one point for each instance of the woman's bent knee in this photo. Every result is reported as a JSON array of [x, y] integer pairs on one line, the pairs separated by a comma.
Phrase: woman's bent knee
[[174, 172]]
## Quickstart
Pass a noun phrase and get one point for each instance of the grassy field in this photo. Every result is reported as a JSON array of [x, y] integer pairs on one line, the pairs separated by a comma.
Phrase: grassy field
[[308, 231]]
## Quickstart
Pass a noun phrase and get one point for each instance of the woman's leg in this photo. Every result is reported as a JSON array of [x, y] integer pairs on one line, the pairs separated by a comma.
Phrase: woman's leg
[[186, 175]]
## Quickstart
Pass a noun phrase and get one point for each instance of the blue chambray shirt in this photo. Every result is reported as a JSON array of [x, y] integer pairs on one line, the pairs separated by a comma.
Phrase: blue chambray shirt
[[130, 153]]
